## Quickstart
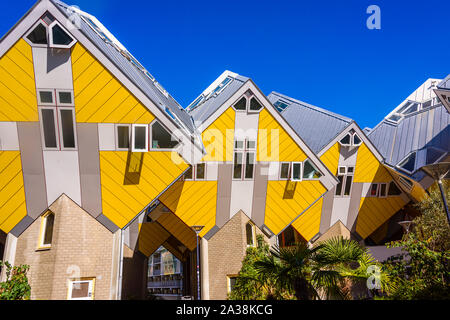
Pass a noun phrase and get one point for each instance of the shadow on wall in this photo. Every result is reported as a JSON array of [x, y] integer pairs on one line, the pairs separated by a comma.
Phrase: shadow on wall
[[56, 58], [134, 281], [289, 189], [133, 168]]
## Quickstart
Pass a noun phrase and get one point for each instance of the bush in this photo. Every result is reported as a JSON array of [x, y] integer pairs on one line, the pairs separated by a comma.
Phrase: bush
[[16, 286]]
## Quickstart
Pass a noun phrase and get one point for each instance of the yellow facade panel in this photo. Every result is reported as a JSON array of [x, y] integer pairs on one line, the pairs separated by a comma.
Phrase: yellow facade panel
[[286, 200], [178, 229], [308, 224], [331, 158], [368, 168], [151, 237]]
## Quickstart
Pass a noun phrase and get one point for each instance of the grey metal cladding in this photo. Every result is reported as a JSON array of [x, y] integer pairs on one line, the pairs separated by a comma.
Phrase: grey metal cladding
[[207, 108], [32, 167], [224, 179], [108, 224], [133, 73], [22, 226], [327, 209], [316, 126], [211, 232], [259, 194], [445, 84], [88, 158]]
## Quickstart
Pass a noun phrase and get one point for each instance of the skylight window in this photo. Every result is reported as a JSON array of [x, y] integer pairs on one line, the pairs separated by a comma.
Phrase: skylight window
[[409, 163], [221, 86], [196, 102], [281, 105]]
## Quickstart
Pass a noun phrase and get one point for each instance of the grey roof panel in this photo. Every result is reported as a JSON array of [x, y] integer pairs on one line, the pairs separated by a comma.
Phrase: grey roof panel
[[146, 85], [316, 126], [445, 84]]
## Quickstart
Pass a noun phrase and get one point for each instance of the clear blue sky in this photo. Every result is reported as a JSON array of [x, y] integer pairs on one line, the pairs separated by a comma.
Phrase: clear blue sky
[[317, 51]]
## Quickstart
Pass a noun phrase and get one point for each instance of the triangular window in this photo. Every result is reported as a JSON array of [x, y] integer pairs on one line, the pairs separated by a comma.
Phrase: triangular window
[[59, 37], [409, 163], [255, 105], [38, 34]]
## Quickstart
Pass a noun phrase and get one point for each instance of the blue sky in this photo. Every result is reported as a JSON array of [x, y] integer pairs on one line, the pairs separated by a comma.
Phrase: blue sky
[[320, 52]]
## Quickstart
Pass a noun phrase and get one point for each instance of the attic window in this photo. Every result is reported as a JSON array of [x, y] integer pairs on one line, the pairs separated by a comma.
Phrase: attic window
[[310, 171], [38, 34], [59, 37], [241, 104], [346, 141], [281, 105], [161, 138], [255, 105], [409, 163], [351, 139]]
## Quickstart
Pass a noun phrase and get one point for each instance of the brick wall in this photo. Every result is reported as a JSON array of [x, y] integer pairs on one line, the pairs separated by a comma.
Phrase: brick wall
[[226, 250], [81, 247]]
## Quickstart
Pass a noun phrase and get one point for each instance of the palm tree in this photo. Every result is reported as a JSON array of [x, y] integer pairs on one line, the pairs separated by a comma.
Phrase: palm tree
[[321, 271]]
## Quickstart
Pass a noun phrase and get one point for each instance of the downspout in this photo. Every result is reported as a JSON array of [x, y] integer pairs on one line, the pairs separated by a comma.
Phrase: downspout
[[119, 278]]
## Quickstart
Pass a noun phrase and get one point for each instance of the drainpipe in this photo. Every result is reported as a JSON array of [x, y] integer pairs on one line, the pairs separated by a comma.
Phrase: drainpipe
[[119, 280]]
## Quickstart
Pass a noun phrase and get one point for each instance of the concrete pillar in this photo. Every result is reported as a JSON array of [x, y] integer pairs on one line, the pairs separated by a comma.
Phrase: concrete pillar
[[204, 269], [9, 254]]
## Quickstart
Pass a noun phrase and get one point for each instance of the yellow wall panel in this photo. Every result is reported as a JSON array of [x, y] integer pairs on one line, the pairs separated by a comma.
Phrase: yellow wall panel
[[368, 168], [274, 143], [17, 86], [130, 181], [178, 229], [286, 200], [218, 144], [331, 158], [194, 202], [308, 224], [12, 192], [373, 212], [99, 96], [151, 237]]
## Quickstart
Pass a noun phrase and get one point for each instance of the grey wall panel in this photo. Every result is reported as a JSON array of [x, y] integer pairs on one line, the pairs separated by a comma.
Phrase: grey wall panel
[[108, 224], [224, 180], [91, 196], [259, 194], [32, 168], [353, 210], [22, 226], [327, 209]]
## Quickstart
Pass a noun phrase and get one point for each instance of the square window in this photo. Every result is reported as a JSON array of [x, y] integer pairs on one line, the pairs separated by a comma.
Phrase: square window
[[123, 137], [46, 97], [65, 98], [296, 171], [373, 190], [284, 171], [140, 138], [342, 170], [200, 174], [239, 144], [82, 289], [383, 190], [251, 144], [350, 170]]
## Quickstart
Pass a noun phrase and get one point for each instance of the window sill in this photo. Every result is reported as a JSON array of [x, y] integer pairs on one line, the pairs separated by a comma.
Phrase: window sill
[[43, 248]]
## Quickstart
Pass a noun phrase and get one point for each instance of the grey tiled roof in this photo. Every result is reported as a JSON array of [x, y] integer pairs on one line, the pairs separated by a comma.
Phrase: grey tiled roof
[[202, 112], [316, 126], [144, 83]]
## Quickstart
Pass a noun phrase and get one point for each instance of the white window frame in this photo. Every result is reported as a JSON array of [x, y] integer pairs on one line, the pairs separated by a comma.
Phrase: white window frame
[[60, 128], [385, 190], [116, 136], [369, 195], [40, 103], [344, 181], [32, 29], [289, 171], [246, 155], [342, 173], [194, 172], [50, 36], [249, 102], [314, 166], [253, 234], [346, 144], [55, 120], [58, 101], [90, 290], [133, 137], [150, 133], [41, 244], [292, 171], [353, 140], [246, 104], [407, 156]]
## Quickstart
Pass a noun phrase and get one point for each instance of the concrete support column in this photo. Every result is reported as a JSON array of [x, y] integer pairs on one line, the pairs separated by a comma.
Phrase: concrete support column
[[204, 269], [9, 254]]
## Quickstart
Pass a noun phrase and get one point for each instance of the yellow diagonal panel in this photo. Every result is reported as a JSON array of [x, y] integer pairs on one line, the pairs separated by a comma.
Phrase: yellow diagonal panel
[[308, 224], [99, 96], [12, 191], [286, 200], [331, 158], [17, 85], [130, 181], [274, 143], [368, 168], [178, 229], [218, 138], [151, 237], [373, 212], [194, 202]]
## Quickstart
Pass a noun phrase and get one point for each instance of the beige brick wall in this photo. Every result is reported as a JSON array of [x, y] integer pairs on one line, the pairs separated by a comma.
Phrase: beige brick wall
[[226, 250], [81, 247]]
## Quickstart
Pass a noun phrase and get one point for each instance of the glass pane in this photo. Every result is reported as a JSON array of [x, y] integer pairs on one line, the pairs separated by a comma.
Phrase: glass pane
[[237, 170], [67, 129], [373, 190], [339, 186], [341, 170], [161, 138], [48, 124], [249, 165], [284, 173], [346, 140], [348, 185], [60, 37], [49, 220], [80, 289], [383, 190], [296, 171], [46, 96], [255, 105], [123, 137], [356, 140], [241, 104], [409, 163], [239, 144], [140, 134], [393, 189], [188, 174], [249, 234], [200, 174], [65, 97], [280, 105], [310, 172], [251, 144], [38, 35], [350, 169], [395, 118]]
